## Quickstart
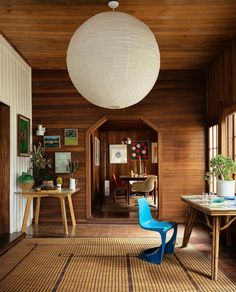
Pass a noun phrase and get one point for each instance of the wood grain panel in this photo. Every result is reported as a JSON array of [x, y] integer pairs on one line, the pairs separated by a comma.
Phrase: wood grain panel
[[190, 34], [4, 168], [176, 105]]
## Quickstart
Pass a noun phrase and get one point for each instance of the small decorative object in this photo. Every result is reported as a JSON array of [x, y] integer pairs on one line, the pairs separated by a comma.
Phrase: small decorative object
[[71, 137], [52, 141], [59, 182], [61, 162], [222, 168], [40, 131], [96, 151], [139, 149], [154, 152], [113, 59], [73, 167], [126, 140], [118, 153], [23, 136], [25, 181]]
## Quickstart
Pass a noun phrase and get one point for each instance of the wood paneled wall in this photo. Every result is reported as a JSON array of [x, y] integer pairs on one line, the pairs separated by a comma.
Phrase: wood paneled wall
[[221, 83], [176, 105]]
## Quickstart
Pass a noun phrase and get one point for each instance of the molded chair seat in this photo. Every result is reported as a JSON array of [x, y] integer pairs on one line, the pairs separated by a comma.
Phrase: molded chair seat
[[146, 221]]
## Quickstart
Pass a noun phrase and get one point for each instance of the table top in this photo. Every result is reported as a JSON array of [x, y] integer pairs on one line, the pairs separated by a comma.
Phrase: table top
[[210, 206], [46, 193], [128, 176]]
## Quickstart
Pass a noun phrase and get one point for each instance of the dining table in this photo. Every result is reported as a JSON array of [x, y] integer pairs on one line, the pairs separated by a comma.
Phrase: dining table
[[62, 195], [219, 213]]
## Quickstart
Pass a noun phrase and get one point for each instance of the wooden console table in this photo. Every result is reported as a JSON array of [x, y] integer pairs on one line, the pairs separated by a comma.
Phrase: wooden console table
[[216, 211], [64, 193]]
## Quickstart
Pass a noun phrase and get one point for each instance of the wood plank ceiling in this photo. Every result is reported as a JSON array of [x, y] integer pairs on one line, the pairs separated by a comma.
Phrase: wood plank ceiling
[[190, 33]]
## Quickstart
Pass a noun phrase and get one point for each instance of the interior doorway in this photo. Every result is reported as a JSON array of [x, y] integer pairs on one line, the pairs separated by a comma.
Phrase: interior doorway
[[110, 131], [4, 169]]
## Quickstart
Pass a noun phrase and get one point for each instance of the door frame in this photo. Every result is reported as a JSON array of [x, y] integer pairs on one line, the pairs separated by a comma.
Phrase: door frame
[[88, 134]]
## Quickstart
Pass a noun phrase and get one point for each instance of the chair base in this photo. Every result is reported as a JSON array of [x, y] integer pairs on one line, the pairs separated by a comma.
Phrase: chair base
[[151, 255]]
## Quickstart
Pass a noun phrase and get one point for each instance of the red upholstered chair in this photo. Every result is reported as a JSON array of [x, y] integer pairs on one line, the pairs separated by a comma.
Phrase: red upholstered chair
[[119, 187]]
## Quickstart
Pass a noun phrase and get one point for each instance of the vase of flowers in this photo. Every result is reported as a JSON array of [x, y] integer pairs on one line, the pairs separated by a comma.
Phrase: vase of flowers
[[73, 167]]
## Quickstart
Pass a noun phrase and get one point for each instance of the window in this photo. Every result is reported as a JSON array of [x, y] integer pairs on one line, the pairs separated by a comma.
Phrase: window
[[230, 127], [212, 152]]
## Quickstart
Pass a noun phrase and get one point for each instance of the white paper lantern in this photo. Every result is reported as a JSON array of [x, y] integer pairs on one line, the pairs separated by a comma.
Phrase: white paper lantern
[[113, 60]]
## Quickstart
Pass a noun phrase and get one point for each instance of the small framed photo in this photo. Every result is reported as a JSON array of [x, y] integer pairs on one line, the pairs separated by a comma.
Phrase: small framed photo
[[118, 153], [23, 136], [71, 136], [154, 152], [96, 151], [62, 162], [52, 142]]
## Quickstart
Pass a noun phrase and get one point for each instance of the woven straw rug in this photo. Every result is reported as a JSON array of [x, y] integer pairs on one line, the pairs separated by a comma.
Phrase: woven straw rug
[[104, 264]]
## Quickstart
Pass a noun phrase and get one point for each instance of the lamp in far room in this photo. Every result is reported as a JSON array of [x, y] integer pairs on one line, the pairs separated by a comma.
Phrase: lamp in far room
[[40, 131], [126, 140], [113, 59]]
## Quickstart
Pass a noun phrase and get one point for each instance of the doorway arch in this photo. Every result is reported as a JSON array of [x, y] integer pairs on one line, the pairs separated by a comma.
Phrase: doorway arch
[[88, 135]]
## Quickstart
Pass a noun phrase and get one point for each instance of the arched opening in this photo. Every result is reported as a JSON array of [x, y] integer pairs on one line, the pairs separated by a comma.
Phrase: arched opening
[[104, 134]]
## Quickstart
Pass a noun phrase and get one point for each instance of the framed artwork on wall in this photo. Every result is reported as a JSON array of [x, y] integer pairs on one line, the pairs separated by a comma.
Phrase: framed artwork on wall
[[96, 151], [52, 142], [139, 149], [118, 153], [71, 136], [23, 136], [62, 161], [154, 152]]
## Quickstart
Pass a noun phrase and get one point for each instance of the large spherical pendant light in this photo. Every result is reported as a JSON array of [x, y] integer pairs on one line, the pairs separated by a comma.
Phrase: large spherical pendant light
[[113, 60]]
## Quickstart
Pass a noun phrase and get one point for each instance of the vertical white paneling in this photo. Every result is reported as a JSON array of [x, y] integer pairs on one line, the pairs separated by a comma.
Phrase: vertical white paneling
[[15, 91]]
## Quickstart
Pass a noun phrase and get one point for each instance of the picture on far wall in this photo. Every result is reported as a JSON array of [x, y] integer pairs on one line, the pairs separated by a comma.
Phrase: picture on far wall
[[139, 149], [154, 152], [71, 136], [62, 162], [23, 136], [52, 142], [96, 151], [118, 153]]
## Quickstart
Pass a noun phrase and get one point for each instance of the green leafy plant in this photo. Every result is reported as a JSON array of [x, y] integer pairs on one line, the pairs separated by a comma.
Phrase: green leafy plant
[[222, 168], [73, 167], [39, 164]]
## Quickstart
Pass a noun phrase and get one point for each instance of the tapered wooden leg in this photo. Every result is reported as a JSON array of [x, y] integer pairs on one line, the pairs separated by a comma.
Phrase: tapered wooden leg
[[36, 221], [228, 232], [189, 225], [215, 247], [26, 214], [72, 213], [63, 213]]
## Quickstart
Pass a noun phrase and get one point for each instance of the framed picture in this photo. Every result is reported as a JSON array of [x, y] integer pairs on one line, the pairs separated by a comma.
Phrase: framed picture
[[154, 152], [71, 136], [139, 149], [61, 162], [118, 153], [23, 136], [96, 151], [52, 142]]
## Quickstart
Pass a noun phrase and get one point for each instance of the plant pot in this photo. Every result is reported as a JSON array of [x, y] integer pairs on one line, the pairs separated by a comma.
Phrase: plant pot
[[226, 188], [25, 181], [73, 183]]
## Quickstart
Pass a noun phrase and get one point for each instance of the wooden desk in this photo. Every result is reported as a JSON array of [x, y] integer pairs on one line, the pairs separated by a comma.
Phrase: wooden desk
[[216, 211], [129, 178], [64, 193]]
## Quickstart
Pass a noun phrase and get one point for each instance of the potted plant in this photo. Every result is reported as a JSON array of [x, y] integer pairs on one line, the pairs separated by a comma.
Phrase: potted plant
[[73, 167], [223, 168]]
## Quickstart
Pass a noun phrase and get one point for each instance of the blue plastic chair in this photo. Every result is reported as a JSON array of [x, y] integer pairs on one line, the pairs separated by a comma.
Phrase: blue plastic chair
[[146, 221]]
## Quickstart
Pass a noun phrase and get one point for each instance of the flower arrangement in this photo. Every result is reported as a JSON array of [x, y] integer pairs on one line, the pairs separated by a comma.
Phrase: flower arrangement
[[73, 167]]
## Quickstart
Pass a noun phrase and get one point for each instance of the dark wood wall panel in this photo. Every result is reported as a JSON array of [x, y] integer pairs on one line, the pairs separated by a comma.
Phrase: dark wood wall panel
[[176, 105], [221, 83], [4, 168]]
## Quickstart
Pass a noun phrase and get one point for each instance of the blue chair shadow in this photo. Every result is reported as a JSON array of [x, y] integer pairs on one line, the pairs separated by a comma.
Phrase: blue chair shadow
[[154, 255]]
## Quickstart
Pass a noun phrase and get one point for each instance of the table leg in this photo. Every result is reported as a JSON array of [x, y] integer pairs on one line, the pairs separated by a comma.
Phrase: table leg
[[72, 213], [215, 247], [155, 195], [189, 226], [26, 214], [228, 232], [36, 221], [63, 213]]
